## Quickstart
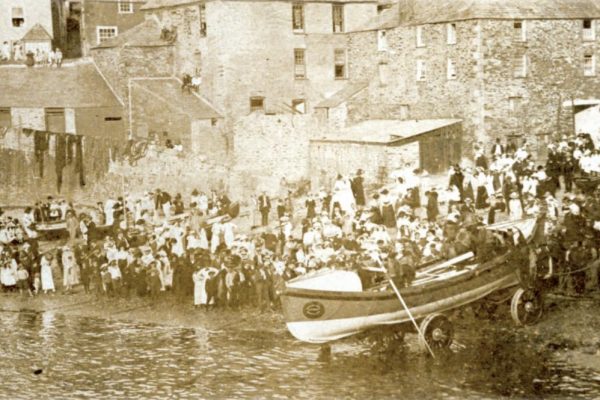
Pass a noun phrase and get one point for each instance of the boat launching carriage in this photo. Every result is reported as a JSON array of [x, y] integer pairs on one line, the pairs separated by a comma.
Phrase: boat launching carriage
[[330, 305]]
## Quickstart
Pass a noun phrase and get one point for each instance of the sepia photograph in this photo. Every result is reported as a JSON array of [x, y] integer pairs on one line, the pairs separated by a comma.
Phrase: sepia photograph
[[299, 199]]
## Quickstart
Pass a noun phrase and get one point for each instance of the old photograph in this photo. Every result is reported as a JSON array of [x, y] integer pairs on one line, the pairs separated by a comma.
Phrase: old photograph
[[299, 199]]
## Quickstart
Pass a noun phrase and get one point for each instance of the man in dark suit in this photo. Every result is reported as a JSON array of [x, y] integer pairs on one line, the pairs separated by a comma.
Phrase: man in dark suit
[[497, 148], [264, 206]]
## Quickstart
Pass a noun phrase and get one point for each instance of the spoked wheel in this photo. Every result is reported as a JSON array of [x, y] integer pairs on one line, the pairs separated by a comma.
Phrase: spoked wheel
[[437, 331], [526, 306]]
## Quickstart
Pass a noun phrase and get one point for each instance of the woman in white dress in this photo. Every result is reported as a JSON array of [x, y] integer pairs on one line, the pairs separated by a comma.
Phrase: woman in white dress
[[215, 239], [46, 273], [342, 194], [70, 273], [228, 233], [200, 277]]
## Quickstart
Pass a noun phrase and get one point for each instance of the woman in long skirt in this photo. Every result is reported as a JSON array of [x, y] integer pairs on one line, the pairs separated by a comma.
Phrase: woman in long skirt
[[46, 273]]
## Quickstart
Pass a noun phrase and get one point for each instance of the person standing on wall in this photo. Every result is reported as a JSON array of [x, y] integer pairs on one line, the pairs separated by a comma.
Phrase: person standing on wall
[[264, 206]]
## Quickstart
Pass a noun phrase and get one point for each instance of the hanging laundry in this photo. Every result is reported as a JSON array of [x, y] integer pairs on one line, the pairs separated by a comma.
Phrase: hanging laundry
[[40, 146], [79, 159], [60, 158], [71, 141]]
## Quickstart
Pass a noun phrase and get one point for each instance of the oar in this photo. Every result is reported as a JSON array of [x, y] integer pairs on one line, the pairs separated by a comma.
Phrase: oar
[[407, 310]]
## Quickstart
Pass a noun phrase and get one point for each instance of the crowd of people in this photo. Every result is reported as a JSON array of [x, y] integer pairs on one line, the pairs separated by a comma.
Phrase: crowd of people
[[155, 245], [39, 56]]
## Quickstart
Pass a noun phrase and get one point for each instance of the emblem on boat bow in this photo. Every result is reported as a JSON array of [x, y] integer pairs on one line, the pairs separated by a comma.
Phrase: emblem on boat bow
[[313, 310]]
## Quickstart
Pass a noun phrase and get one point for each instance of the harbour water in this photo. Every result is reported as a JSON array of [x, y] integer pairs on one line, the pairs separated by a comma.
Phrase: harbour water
[[51, 356]]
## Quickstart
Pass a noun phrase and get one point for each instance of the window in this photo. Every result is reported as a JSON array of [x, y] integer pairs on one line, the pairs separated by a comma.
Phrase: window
[[338, 18], [299, 106], [257, 104], [299, 64], [382, 44], [589, 65], [55, 120], [298, 17], [589, 31], [18, 18], [5, 119], [519, 31], [420, 41], [109, 119], [520, 67], [340, 64], [514, 105], [451, 33], [125, 7], [451, 73], [382, 7], [105, 32], [404, 111], [202, 13], [420, 70]]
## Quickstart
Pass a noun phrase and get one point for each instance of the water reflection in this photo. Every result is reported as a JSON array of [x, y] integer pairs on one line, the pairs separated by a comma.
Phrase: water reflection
[[87, 357]]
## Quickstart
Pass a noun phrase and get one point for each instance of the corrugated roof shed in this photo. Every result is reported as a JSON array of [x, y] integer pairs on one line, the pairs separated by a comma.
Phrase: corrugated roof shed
[[168, 91], [343, 95], [385, 131], [145, 34], [417, 12], [37, 33], [71, 86]]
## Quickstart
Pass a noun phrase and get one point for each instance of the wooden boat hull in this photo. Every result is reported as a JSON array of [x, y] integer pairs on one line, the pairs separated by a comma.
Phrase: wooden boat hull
[[325, 316]]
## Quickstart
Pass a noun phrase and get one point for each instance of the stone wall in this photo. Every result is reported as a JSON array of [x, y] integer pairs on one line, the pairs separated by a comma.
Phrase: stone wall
[[32, 118], [268, 149], [555, 52]]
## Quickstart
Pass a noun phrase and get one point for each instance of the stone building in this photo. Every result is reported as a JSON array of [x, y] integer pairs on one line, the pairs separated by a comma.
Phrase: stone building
[[265, 56], [504, 67], [102, 20]]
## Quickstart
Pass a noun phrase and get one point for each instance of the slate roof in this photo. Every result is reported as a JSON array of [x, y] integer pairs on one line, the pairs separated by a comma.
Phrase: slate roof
[[343, 95], [168, 91], [37, 33], [420, 12], [145, 34], [71, 86], [386, 131]]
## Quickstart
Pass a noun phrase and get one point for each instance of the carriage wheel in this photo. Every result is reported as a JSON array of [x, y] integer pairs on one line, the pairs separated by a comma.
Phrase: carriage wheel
[[437, 332], [526, 306]]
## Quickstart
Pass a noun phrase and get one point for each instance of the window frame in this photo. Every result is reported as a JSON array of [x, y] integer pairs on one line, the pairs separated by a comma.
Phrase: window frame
[[299, 6], [591, 37], [105, 27], [336, 64], [202, 19], [592, 72], [451, 33], [524, 61], [404, 112], [297, 52], [520, 34], [421, 69], [515, 104], [340, 8], [8, 111], [13, 18], [450, 63], [255, 108], [382, 43], [125, 2], [419, 32]]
